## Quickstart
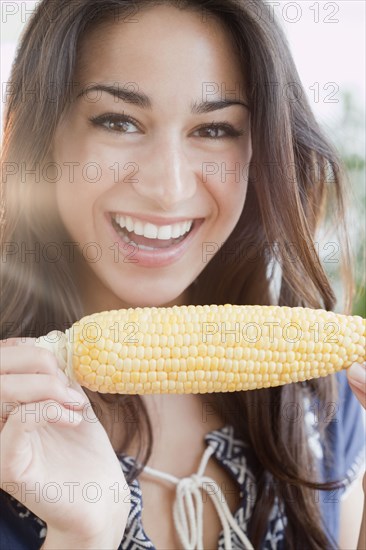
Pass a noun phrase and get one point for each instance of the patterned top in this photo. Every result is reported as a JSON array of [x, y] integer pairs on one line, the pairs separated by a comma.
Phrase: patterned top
[[232, 454], [20, 529]]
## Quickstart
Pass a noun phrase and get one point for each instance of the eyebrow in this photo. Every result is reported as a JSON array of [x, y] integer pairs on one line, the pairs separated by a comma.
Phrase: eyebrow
[[142, 100]]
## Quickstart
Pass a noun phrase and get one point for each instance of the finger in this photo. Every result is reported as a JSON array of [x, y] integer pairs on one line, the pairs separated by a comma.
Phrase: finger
[[27, 359], [52, 336], [29, 388], [18, 341], [356, 375], [34, 359]]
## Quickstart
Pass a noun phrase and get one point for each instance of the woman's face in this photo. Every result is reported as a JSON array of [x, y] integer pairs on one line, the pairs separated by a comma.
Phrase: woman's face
[[138, 173]]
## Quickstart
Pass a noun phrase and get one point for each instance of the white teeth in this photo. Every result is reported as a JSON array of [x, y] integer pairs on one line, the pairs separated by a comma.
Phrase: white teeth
[[177, 231], [129, 223], [166, 233], [152, 231], [138, 227]]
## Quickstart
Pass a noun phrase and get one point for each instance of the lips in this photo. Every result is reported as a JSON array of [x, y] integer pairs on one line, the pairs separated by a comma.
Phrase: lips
[[135, 255]]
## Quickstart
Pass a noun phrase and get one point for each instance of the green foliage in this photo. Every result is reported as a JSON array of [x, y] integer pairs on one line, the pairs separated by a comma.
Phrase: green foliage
[[348, 135]]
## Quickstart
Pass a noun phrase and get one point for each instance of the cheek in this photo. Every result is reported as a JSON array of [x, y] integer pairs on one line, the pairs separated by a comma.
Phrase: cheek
[[83, 163], [81, 184], [76, 198], [71, 208], [228, 185]]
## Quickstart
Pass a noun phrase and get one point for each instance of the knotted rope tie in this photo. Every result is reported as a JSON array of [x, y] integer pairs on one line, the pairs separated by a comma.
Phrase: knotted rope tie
[[188, 507]]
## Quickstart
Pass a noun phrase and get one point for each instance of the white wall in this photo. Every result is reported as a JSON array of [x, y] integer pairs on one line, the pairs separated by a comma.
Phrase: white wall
[[327, 41]]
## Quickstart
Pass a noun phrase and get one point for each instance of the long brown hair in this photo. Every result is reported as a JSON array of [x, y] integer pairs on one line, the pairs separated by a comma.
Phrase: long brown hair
[[295, 175]]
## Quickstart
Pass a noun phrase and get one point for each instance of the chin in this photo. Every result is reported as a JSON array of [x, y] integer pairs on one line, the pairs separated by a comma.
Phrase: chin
[[151, 299]]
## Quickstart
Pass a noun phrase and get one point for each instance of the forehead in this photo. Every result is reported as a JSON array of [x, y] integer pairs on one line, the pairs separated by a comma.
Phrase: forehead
[[164, 48]]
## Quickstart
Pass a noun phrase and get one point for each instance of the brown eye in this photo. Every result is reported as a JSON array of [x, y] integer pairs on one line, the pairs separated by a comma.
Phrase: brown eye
[[114, 123], [119, 126], [213, 129], [212, 132]]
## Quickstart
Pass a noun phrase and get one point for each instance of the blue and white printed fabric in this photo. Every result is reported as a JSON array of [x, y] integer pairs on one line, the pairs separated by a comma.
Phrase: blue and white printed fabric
[[20, 529]]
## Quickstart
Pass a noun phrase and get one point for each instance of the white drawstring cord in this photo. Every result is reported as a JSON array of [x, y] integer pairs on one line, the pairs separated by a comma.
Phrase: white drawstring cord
[[190, 529]]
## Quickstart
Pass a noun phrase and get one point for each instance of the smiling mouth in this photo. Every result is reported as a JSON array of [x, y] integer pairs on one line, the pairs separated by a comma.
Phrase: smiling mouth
[[145, 243]]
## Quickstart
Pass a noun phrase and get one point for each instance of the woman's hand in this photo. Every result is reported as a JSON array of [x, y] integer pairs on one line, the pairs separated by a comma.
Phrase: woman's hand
[[65, 471], [356, 375]]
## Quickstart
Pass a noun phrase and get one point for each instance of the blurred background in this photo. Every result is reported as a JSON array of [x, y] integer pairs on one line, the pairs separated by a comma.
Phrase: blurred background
[[328, 44]]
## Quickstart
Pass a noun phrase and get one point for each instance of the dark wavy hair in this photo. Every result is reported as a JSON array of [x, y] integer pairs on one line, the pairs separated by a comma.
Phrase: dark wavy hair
[[295, 175]]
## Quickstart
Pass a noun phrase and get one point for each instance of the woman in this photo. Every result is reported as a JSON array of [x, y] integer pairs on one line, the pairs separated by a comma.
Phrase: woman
[[156, 125]]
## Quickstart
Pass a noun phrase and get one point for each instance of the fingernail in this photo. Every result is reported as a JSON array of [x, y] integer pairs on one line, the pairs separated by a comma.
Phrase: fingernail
[[357, 372]]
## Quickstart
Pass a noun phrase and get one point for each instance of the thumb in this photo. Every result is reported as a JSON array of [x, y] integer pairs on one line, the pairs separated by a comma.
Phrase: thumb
[[356, 375]]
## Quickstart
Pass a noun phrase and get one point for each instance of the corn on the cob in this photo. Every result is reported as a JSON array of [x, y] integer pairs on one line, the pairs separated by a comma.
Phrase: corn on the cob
[[204, 349]]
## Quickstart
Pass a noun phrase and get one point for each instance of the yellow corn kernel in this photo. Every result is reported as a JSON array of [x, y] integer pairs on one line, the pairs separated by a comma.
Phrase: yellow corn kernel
[[211, 348]]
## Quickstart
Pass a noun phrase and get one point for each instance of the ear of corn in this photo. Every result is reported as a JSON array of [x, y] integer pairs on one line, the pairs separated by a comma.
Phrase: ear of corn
[[204, 349]]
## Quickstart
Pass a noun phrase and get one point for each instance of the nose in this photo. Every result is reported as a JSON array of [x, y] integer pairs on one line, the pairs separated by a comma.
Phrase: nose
[[166, 177]]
